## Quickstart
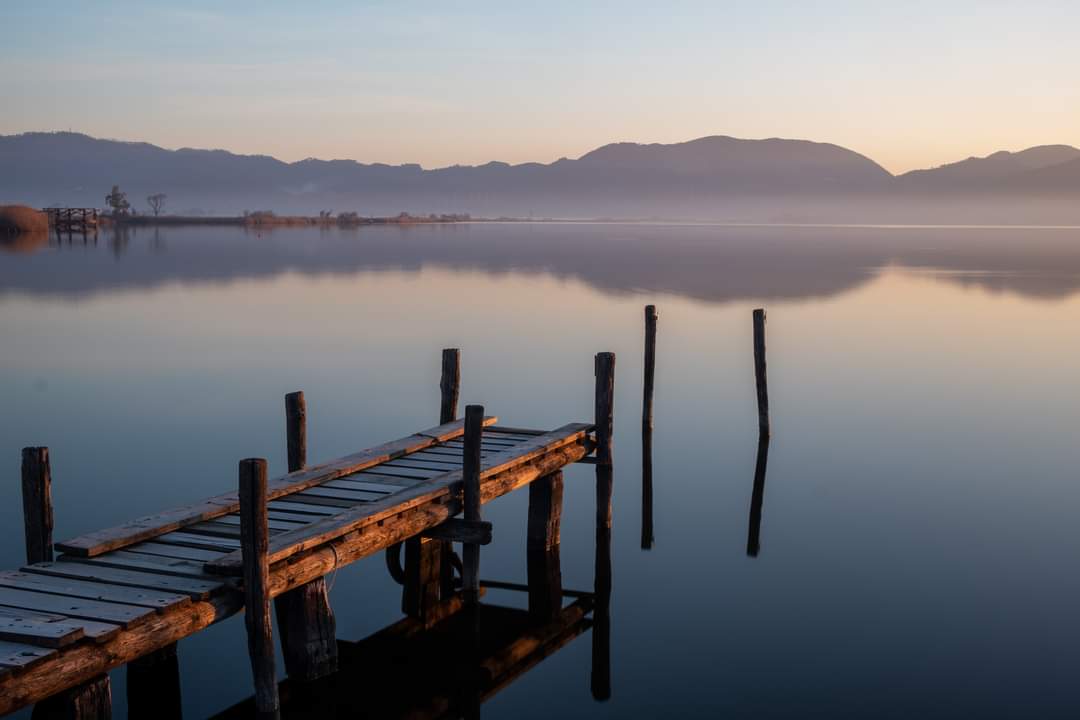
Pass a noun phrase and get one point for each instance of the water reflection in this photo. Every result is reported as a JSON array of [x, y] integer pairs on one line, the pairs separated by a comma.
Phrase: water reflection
[[711, 263], [757, 497]]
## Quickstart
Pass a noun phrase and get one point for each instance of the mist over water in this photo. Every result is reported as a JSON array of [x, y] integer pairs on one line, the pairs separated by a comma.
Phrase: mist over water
[[914, 529]]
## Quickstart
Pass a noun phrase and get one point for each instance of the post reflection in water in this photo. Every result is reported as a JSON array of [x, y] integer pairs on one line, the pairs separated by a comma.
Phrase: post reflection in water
[[647, 536], [601, 637], [753, 538]]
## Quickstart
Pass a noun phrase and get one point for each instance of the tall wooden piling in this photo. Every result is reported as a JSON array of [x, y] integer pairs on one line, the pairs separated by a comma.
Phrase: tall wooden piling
[[759, 372], [37, 504], [605, 406], [605, 485], [305, 620], [543, 566], [450, 390], [91, 700], [255, 541], [650, 367], [474, 423]]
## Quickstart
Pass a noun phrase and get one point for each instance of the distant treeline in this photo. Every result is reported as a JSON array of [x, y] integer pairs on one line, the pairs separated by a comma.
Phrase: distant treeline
[[267, 218]]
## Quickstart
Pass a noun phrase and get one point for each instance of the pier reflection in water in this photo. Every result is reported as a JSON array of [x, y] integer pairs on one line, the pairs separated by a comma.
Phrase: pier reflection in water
[[451, 668]]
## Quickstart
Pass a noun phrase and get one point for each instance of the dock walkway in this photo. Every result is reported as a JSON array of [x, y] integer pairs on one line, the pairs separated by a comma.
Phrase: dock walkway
[[118, 594]]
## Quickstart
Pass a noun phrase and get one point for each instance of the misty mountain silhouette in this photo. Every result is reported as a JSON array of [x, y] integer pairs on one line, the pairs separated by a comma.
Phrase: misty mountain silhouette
[[712, 178]]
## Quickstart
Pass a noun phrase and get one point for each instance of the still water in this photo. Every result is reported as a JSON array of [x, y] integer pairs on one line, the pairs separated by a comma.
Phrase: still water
[[918, 536]]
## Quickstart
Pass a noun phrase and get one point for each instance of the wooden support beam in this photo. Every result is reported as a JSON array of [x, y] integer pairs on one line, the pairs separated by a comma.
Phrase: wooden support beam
[[462, 531], [543, 565], [153, 686], [305, 619], [421, 589], [255, 536], [605, 406], [37, 504], [650, 367], [759, 373], [474, 415], [91, 700]]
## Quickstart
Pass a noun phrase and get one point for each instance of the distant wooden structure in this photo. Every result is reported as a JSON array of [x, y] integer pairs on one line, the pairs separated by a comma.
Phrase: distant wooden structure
[[127, 594], [72, 220]]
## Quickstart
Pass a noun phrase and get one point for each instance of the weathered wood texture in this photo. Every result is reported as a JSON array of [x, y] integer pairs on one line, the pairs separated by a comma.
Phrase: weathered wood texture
[[305, 619], [296, 430], [153, 686], [450, 384], [470, 474], [91, 700], [37, 504], [601, 637], [151, 526], [543, 567], [423, 562], [650, 367], [605, 406], [760, 377], [255, 537], [433, 491]]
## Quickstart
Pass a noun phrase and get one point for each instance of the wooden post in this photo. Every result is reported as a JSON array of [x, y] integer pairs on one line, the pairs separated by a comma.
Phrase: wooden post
[[759, 372], [542, 547], [605, 406], [450, 384], [600, 678], [474, 419], [296, 430], [305, 620], [153, 686], [450, 390], [37, 504], [91, 700], [650, 367], [255, 540], [757, 497]]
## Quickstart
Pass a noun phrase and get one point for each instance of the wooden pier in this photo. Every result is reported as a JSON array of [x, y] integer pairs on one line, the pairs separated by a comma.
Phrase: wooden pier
[[72, 220], [127, 594]]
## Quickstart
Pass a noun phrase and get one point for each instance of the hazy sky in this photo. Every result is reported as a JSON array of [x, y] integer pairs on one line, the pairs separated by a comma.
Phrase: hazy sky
[[909, 84]]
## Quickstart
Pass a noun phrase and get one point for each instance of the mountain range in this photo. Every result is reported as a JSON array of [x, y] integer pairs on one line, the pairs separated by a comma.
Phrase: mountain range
[[714, 178]]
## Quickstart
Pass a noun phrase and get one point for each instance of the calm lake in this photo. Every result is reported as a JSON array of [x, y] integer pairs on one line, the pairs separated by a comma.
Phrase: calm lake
[[918, 533]]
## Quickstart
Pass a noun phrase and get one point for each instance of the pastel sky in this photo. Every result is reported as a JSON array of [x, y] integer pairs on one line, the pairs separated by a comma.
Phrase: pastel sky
[[909, 84]]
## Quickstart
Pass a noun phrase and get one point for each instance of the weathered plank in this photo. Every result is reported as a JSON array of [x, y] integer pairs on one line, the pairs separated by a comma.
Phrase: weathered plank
[[196, 540], [339, 493], [124, 615], [321, 531], [195, 589], [139, 561], [92, 590], [174, 551], [39, 634], [20, 656], [298, 508], [351, 483], [102, 541], [93, 630], [86, 661]]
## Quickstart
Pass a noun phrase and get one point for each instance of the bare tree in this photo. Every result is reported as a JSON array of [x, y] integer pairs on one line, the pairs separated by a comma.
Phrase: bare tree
[[157, 202]]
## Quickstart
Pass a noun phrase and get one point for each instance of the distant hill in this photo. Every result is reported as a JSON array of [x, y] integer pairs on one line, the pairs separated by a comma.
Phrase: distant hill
[[711, 178]]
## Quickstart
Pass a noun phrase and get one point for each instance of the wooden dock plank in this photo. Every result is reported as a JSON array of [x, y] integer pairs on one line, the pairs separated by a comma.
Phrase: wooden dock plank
[[123, 615], [219, 543], [102, 541], [298, 508], [350, 483], [40, 634], [116, 577], [92, 590], [339, 493], [322, 531], [19, 656], [178, 552], [149, 563], [92, 630]]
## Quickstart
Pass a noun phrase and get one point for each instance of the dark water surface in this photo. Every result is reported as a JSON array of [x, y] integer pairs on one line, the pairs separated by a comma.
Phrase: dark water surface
[[918, 538]]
